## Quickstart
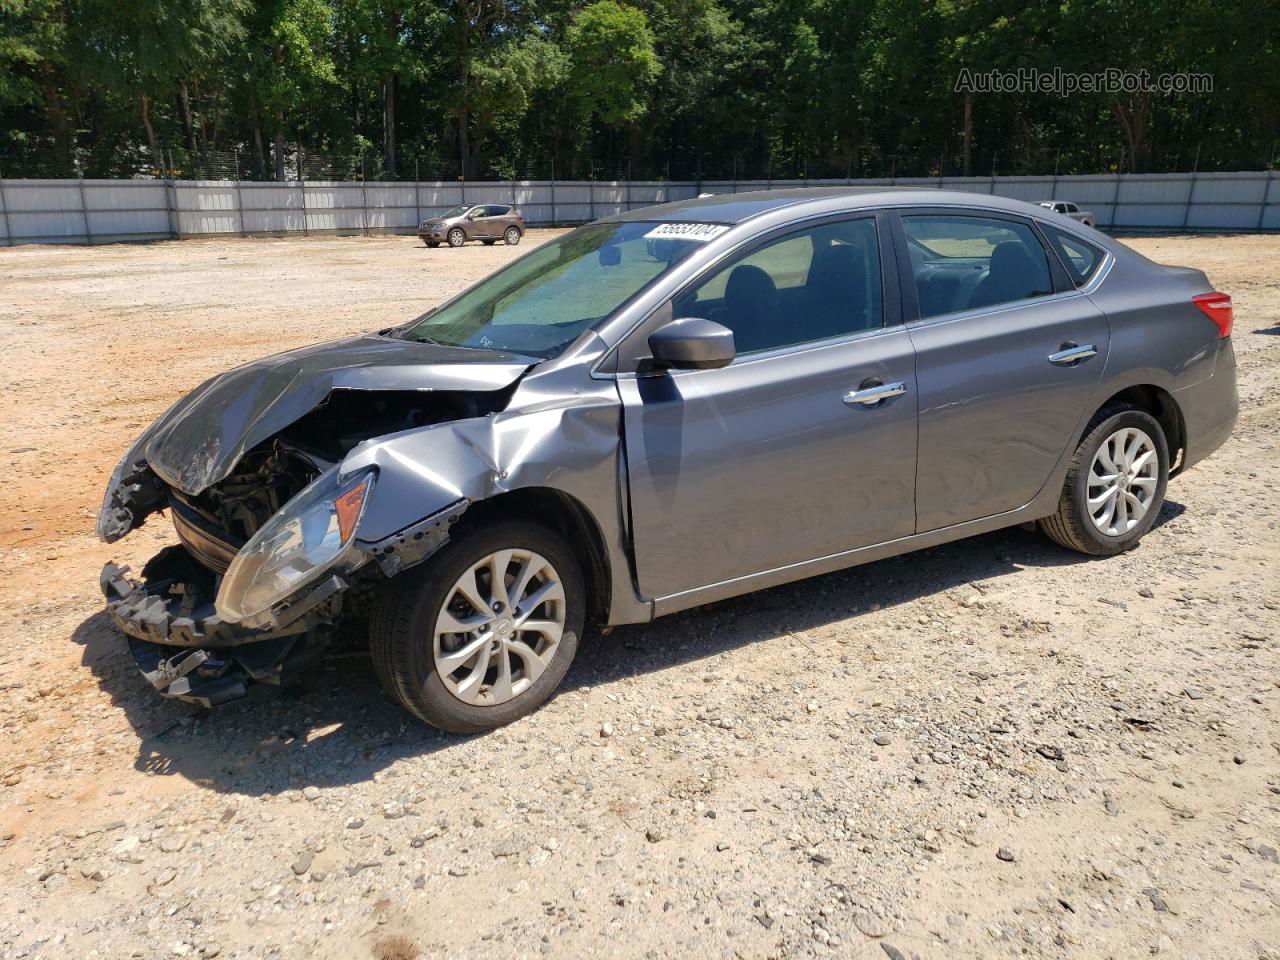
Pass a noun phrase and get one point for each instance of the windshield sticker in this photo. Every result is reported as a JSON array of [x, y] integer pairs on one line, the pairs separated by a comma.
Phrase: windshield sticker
[[699, 232]]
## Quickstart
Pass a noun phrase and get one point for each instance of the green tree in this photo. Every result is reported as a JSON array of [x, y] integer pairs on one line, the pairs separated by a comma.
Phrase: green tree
[[148, 49], [288, 58], [386, 44], [33, 63], [612, 62]]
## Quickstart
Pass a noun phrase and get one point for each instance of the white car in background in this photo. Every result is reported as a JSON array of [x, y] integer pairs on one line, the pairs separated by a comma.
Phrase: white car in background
[[1071, 210]]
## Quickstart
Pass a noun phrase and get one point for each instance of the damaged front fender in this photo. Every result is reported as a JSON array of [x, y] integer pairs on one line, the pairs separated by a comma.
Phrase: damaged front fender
[[560, 432]]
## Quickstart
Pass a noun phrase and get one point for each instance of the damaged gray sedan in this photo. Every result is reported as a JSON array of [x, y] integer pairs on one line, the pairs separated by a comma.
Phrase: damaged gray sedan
[[658, 410]]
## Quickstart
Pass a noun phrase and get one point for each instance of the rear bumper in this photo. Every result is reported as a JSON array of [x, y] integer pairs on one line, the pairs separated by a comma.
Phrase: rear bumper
[[186, 651], [1210, 407]]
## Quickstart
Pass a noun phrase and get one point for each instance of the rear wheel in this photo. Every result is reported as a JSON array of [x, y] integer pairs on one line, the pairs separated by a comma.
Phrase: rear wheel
[[483, 632], [1115, 484], [457, 237], [512, 236]]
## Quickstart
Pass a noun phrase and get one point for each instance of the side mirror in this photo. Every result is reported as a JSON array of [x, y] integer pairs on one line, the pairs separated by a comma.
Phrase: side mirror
[[692, 344]]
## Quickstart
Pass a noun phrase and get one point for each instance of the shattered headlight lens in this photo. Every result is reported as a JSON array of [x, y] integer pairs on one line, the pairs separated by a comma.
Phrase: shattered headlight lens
[[305, 537]]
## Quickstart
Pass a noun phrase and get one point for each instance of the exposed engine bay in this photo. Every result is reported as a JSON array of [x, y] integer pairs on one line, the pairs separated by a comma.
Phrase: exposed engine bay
[[184, 647], [214, 524]]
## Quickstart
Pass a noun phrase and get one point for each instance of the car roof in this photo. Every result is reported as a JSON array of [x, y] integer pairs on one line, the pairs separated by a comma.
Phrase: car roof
[[735, 208]]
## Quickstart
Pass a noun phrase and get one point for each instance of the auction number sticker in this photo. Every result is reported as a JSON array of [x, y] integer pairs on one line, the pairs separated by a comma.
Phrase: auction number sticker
[[699, 232]]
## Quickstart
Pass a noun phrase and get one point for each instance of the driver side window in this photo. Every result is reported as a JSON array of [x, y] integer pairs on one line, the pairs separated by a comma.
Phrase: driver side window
[[809, 285]]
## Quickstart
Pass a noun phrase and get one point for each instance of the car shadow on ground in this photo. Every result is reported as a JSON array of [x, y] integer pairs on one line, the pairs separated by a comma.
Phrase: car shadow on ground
[[338, 728]]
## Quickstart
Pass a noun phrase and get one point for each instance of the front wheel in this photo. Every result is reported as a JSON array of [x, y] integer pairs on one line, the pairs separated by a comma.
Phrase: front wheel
[[1115, 484], [512, 236], [482, 633], [457, 237]]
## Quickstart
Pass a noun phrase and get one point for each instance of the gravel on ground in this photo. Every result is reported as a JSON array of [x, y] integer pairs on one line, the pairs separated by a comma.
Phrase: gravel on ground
[[993, 748]]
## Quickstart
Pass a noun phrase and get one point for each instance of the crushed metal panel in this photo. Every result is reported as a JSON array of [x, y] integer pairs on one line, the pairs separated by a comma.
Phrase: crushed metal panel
[[200, 440]]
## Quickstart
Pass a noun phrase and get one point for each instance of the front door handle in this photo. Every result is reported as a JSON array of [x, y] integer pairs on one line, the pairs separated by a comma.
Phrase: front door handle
[[1072, 353], [873, 391]]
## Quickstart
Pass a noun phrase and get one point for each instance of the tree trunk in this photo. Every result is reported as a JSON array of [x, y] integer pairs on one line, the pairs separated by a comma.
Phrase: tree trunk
[[390, 87], [968, 134], [464, 147], [208, 133], [279, 144], [260, 154], [1132, 118], [144, 102], [184, 102], [464, 78], [389, 123], [57, 115]]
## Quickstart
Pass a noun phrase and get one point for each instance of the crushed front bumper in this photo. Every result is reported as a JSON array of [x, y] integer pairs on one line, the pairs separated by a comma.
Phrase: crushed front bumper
[[187, 652]]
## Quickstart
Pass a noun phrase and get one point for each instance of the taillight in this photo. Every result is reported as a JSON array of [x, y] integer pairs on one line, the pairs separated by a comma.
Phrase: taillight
[[1217, 307]]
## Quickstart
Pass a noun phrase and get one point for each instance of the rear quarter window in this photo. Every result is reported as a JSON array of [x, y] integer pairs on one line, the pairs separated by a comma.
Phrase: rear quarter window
[[1080, 257]]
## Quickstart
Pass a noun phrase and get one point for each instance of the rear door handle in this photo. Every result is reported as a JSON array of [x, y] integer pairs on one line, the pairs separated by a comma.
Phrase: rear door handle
[[873, 391], [1072, 353]]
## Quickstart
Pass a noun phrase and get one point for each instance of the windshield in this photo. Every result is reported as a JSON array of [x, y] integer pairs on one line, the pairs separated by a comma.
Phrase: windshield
[[540, 304], [453, 212]]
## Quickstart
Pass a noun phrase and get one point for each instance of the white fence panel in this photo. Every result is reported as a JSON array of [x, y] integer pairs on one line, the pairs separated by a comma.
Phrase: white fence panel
[[109, 210], [206, 207], [50, 227], [40, 196]]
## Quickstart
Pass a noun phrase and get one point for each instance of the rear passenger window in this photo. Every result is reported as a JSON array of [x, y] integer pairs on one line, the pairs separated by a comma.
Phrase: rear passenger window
[[809, 285], [968, 262], [1080, 258]]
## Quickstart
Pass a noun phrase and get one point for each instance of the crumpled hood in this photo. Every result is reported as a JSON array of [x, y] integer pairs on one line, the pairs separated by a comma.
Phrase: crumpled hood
[[198, 442]]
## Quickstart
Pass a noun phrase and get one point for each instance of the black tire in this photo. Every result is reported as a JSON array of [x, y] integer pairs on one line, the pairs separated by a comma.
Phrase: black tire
[[402, 628], [512, 236], [432, 243], [1072, 526], [457, 237], [488, 243]]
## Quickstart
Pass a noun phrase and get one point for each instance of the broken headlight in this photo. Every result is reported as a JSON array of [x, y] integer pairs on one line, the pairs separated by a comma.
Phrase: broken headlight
[[307, 536]]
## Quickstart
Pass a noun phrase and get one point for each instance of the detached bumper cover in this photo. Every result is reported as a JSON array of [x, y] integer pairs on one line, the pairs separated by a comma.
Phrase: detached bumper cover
[[208, 679], [187, 652]]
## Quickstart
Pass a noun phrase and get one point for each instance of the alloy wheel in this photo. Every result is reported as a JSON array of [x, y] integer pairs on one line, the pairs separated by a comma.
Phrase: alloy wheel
[[500, 627], [1123, 479], [512, 236], [456, 237]]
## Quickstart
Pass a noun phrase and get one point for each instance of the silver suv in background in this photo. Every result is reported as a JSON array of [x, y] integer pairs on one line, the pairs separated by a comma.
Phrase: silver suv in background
[[486, 222], [1068, 209]]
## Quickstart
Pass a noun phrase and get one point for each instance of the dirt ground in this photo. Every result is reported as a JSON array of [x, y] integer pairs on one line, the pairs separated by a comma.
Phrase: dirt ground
[[988, 749]]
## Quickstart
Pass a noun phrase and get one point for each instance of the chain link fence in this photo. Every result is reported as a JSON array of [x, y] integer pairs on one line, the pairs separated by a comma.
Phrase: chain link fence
[[259, 162]]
